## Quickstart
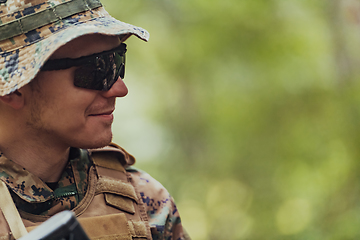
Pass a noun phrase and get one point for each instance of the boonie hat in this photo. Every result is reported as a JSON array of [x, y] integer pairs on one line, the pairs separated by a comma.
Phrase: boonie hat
[[32, 30]]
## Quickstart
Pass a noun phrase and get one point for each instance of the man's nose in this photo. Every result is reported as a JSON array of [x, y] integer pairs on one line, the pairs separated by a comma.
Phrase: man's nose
[[119, 89]]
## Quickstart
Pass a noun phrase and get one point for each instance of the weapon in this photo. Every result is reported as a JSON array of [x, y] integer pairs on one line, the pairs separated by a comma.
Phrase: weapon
[[62, 226]]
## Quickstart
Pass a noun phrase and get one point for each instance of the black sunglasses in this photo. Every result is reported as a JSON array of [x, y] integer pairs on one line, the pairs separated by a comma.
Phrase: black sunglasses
[[98, 71]]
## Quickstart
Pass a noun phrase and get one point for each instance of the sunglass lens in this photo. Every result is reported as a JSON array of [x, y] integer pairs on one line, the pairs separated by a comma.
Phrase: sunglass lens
[[87, 77], [115, 69], [102, 74], [122, 70], [120, 63]]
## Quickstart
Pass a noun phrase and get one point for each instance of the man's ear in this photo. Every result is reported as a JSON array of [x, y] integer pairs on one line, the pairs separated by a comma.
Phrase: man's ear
[[14, 99]]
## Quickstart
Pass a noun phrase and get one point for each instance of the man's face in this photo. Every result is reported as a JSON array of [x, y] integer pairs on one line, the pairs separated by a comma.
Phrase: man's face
[[57, 112]]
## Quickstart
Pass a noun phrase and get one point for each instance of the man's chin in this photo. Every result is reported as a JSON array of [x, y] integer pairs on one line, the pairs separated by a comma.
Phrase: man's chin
[[97, 143]]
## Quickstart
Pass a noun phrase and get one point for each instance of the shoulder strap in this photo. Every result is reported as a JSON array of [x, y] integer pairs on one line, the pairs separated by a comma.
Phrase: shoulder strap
[[116, 185], [10, 212], [125, 158], [107, 160]]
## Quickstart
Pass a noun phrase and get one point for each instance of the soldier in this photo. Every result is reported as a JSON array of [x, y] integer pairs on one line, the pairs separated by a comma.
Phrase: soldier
[[61, 68]]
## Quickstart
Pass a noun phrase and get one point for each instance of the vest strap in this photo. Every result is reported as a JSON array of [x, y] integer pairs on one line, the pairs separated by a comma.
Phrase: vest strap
[[107, 160], [10, 212], [119, 191], [109, 185]]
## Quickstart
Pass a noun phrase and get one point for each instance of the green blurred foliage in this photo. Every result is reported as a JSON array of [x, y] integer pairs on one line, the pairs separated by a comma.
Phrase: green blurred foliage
[[247, 111]]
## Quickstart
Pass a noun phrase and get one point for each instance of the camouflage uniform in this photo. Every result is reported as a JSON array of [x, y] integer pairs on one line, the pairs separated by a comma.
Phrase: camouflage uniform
[[32, 196]]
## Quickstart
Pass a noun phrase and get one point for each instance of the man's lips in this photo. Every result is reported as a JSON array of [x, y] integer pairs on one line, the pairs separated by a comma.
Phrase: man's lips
[[104, 113], [101, 114]]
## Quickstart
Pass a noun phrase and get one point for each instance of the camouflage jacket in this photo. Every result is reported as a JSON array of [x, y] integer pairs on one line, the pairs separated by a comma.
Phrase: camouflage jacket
[[32, 195]]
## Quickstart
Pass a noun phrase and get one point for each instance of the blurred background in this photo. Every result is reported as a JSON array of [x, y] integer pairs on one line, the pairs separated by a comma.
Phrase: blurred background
[[248, 112]]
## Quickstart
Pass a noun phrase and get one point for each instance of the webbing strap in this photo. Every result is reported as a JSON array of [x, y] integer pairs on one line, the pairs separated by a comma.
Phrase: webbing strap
[[45, 17], [10, 212]]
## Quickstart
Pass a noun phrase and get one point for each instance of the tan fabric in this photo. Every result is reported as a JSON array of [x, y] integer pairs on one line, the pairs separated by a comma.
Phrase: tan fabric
[[10, 212], [121, 154], [119, 194], [106, 226], [6, 237], [111, 185], [107, 160], [120, 202], [112, 226]]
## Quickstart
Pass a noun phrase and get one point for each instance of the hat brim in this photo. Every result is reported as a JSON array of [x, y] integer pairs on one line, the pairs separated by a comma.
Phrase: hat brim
[[19, 66]]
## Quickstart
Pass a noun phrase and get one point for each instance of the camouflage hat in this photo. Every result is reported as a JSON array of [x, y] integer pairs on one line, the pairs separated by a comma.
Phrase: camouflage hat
[[32, 30]]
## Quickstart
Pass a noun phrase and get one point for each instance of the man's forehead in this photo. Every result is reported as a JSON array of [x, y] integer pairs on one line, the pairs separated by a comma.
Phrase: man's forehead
[[86, 45]]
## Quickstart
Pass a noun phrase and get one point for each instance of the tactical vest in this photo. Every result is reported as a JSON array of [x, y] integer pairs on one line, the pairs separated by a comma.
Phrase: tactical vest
[[112, 207]]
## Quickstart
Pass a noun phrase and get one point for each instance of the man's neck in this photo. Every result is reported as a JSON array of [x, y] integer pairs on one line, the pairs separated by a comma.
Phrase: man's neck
[[37, 151], [42, 161]]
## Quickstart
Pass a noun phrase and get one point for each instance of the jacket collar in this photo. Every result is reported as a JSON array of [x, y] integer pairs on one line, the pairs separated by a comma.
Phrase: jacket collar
[[31, 188]]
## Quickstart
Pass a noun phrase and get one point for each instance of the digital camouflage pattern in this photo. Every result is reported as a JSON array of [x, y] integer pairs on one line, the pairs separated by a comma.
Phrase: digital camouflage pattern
[[32, 195], [22, 56], [164, 218]]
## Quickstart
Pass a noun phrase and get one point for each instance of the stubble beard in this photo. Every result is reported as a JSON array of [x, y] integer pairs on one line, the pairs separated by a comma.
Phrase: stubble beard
[[38, 129], [34, 121], [97, 141]]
